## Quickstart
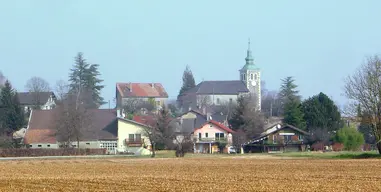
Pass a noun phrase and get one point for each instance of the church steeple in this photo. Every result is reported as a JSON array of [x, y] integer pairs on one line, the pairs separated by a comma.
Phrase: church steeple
[[249, 58]]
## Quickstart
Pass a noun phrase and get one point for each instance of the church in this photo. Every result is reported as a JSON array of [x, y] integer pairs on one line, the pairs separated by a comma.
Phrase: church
[[215, 93]]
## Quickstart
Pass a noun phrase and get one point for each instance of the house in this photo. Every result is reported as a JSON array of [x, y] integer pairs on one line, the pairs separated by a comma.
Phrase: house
[[278, 138], [100, 133], [221, 92], [132, 136], [212, 137], [144, 91], [201, 118], [44, 100]]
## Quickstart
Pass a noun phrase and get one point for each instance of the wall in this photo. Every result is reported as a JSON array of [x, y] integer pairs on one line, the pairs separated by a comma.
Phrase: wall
[[124, 129], [211, 129], [43, 146], [280, 138], [214, 98]]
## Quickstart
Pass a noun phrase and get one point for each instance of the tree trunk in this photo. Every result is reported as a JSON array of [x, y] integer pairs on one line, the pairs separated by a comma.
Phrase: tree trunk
[[153, 150], [379, 147]]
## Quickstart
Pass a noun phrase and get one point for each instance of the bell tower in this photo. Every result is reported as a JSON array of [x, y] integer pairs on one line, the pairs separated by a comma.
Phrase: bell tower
[[250, 75]]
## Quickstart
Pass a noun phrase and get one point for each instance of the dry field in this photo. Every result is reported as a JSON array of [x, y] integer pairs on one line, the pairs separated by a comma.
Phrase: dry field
[[191, 174]]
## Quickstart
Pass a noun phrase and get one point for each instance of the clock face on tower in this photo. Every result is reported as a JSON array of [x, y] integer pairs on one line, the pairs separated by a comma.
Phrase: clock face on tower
[[253, 83]]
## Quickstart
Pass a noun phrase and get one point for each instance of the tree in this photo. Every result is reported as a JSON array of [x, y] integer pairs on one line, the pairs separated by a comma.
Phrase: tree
[[288, 90], [72, 120], [291, 103], [204, 101], [36, 86], [2, 79], [363, 88], [366, 128], [271, 104], [321, 112], [12, 115], [246, 118], [61, 89], [350, 137], [133, 106], [188, 81], [84, 77]]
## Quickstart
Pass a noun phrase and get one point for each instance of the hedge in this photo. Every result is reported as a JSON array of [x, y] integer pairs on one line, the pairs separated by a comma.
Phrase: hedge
[[49, 152]]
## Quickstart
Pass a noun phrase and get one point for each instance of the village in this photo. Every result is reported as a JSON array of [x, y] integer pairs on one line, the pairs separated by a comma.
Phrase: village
[[210, 117]]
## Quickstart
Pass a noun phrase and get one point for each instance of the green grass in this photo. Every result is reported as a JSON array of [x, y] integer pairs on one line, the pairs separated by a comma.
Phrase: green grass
[[333, 155]]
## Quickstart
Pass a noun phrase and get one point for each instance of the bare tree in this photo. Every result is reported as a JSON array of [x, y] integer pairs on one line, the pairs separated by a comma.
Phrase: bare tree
[[36, 86], [72, 120], [363, 88], [136, 105], [204, 101], [61, 89]]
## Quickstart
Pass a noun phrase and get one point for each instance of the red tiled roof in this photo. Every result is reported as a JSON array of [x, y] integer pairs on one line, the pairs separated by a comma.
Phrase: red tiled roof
[[40, 136], [221, 126], [141, 90], [145, 120]]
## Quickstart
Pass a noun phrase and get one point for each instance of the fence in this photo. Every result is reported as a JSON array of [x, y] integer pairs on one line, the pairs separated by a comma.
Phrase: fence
[[49, 152]]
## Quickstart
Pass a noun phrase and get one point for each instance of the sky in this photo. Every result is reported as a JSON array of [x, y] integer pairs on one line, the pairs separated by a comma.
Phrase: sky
[[319, 43]]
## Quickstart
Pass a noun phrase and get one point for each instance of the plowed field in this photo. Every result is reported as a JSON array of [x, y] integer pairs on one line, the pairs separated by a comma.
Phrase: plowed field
[[191, 174]]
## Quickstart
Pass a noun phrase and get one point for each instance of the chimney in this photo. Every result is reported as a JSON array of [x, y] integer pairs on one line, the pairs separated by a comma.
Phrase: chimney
[[130, 87], [153, 85], [208, 116]]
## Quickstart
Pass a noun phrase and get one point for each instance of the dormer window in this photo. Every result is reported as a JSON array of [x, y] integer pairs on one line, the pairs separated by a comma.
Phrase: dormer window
[[251, 76]]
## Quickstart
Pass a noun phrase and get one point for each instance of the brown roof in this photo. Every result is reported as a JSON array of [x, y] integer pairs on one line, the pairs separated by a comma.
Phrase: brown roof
[[31, 98], [42, 127], [40, 136], [141, 90]]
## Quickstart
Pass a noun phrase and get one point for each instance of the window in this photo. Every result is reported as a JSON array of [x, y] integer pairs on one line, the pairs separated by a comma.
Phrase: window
[[300, 137], [138, 137], [48, 145], [220, 136], [30, 145], [251, 76], [287, 138], [87, 143], [275, 139], [206, 135], [199, 135], [109, 145], [131, 137], [230, 100], [256, 77], [218, 101], [244, 77], [134, 137], [39, 146]]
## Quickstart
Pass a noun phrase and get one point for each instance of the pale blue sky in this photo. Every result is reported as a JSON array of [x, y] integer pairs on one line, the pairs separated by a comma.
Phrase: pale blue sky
[[317, 42]]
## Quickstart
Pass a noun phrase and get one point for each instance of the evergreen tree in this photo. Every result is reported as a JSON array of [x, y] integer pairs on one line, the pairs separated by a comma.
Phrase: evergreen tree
[[291, 103], [293, 114], [12, 116], [237, 118], [322, 113], [188, 81], [84, 80]]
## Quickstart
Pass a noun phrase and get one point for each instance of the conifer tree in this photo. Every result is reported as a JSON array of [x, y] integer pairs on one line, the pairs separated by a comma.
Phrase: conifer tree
[[12, 115], [291, 106], [188, 81], [84, 80]]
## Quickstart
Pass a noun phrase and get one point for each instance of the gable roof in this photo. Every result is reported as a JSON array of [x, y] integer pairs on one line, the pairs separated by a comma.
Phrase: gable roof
[[42, 126], [180, 125], [277, 127], [30, 98], [141, 90], [219, 125], [233, 87]]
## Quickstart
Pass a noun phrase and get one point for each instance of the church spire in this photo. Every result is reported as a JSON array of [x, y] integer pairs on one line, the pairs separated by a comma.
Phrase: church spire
[[249, 58]]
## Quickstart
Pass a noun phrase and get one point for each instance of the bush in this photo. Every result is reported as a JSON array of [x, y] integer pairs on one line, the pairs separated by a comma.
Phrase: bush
[[350, 138], [49, 152]]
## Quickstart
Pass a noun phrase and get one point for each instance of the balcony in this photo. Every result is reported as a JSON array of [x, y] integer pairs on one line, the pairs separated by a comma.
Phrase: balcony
[[134, 142], [210, 139]]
